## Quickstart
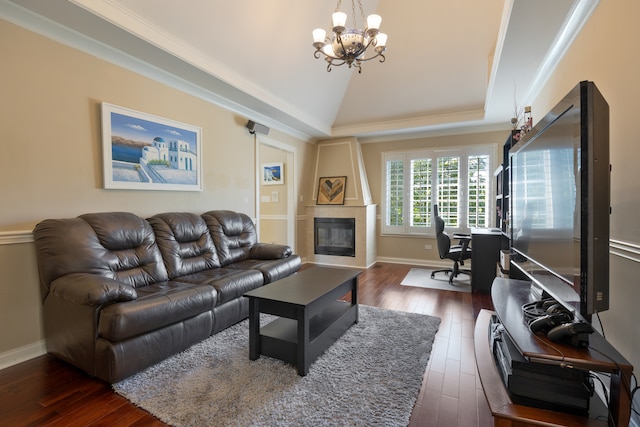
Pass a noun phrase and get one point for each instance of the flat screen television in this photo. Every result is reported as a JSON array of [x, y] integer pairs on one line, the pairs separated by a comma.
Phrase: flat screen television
[[560, 202]]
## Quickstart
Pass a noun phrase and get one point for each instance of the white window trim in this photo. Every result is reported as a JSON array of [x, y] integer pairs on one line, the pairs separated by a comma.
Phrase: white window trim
[[463, 152]]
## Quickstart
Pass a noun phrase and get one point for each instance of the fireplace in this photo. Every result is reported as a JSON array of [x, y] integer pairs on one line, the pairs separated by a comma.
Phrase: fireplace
[[341, 157], [334, 236]]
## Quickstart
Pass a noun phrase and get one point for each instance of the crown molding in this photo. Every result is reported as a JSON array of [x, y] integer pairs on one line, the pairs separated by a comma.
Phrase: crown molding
[[410, 123], [123, 18]]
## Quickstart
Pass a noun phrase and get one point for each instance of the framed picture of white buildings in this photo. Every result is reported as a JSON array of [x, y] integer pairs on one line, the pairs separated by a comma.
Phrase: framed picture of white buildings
[[272, 173], [146, 152]]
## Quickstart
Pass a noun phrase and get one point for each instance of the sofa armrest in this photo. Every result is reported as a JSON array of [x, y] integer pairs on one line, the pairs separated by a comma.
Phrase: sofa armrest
[[91, 289], [270, 251]]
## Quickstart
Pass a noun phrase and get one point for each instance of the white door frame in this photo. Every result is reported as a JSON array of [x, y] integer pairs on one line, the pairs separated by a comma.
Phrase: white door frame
[[290, 174]]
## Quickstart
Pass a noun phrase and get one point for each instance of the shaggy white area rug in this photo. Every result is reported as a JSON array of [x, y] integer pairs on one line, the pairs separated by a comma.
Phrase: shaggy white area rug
[[370, 376], [421, 278]]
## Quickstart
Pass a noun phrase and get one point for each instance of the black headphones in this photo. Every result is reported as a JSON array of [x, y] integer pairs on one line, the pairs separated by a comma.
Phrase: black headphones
[[533, 310], [553, 315], [558, 308]]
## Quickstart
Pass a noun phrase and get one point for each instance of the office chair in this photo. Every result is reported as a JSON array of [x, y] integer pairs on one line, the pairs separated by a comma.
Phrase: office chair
[[457, 253]]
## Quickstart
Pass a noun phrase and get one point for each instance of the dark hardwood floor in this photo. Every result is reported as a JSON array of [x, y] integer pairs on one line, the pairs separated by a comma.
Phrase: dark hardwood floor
[[45, 391]]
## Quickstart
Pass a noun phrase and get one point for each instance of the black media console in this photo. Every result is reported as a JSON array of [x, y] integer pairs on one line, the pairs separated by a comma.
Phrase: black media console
[[529, 380], [540, 385]]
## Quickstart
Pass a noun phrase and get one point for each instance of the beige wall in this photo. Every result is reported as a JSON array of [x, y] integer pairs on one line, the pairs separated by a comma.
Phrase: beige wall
[[51, 146], [51, 162], [20, 312], [605, 53]]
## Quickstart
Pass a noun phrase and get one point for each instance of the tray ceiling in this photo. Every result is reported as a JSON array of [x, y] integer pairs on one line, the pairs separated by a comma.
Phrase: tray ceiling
[[452, 66]]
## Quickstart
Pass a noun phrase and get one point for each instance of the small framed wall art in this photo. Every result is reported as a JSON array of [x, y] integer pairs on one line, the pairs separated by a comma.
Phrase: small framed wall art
[[272, 173], [331, 190], [146, 152]]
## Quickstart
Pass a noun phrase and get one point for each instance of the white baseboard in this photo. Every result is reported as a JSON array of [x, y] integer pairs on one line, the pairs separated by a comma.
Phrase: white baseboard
[[421, 262], [408, 261], [22, 354]]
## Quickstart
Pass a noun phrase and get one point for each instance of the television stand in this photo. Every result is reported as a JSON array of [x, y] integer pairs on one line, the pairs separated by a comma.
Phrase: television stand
[[508, 296]]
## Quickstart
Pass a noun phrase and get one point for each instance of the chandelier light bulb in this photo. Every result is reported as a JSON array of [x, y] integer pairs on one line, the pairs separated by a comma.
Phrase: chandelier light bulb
[[339, 21], [318, 37], [373, 22], [327, 49], [381, 42]]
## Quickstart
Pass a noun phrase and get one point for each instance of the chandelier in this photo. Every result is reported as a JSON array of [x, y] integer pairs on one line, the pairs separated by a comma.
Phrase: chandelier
[[349, 45]]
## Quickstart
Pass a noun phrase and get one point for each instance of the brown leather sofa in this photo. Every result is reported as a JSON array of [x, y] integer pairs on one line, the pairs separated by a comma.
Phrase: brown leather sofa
[[121, 293]]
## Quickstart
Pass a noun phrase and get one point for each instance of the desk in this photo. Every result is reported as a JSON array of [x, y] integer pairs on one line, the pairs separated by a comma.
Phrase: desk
[[486, 244]]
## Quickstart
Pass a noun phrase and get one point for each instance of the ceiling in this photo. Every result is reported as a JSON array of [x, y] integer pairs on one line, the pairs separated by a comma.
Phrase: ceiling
[[451, 66]]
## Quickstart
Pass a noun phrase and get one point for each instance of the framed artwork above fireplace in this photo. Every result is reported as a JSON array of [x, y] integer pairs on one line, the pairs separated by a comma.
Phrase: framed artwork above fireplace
[[331, 190]]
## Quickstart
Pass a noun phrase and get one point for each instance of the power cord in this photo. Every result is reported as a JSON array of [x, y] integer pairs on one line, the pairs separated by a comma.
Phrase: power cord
[[532, 310], [563, 362], [624, 386], [606, 396], [601, 325], [633, 391]]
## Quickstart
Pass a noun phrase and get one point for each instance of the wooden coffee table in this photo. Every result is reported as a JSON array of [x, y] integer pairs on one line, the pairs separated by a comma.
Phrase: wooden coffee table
[[311, 316]]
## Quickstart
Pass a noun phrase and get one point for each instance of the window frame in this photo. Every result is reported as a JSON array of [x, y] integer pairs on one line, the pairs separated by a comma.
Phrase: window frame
[[463, 153]]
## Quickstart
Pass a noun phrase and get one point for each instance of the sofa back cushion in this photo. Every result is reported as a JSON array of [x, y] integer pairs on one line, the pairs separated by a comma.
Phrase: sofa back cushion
[[233, 234], [117, 245], [185, 243]]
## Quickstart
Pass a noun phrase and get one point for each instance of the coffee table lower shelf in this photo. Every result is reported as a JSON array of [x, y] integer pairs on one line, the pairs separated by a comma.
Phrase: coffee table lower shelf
[[314, 310], [279, 339]]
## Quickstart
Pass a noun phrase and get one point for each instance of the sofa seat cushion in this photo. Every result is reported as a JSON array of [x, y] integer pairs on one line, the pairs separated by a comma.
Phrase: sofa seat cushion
[[271, 270], [157, 305], [228, 283]]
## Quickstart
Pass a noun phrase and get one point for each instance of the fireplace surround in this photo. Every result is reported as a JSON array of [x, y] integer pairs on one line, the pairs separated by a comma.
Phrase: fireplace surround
[[365, 239], [343, 157]]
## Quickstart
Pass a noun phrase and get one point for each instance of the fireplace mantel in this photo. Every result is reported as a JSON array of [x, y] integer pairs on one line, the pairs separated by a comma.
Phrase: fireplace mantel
[[365, 217]]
